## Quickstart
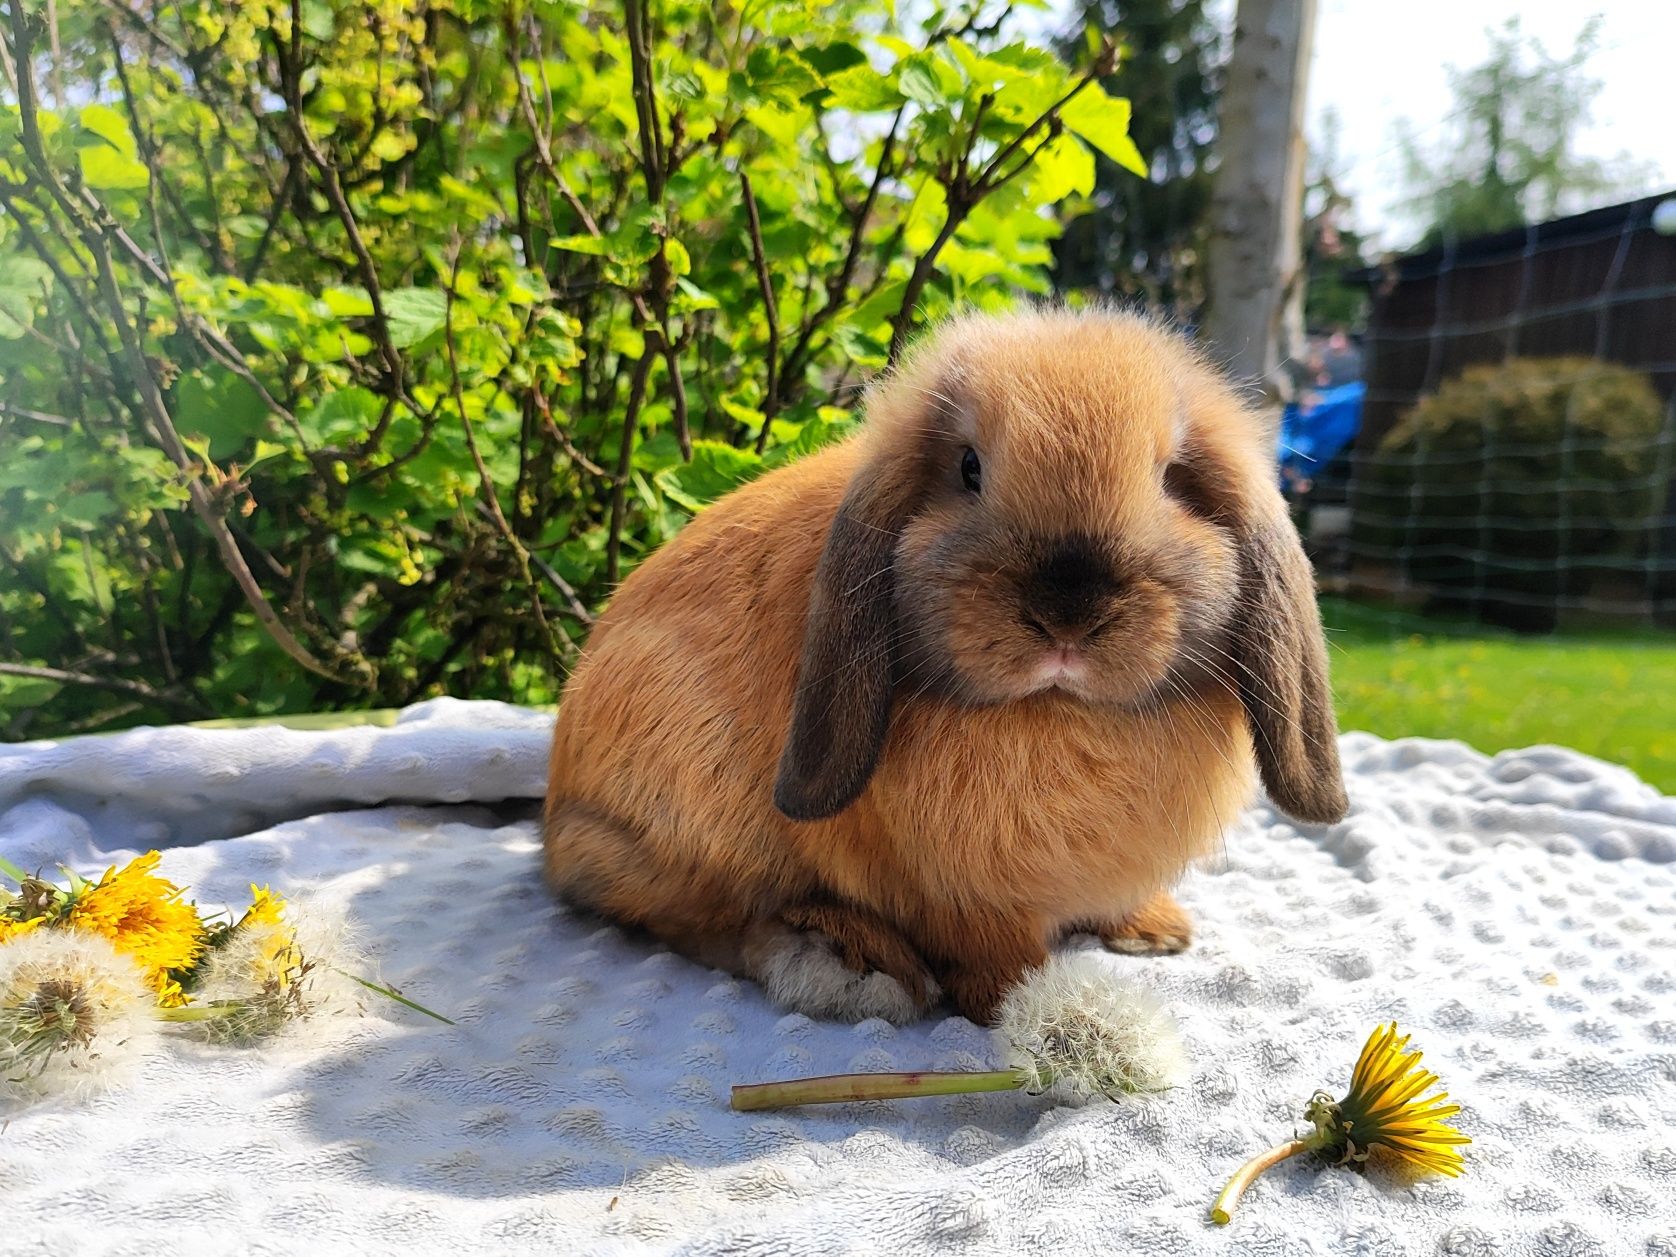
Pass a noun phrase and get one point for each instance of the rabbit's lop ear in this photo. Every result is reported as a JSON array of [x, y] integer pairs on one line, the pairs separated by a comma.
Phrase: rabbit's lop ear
[[1281, 664], [841, 711]]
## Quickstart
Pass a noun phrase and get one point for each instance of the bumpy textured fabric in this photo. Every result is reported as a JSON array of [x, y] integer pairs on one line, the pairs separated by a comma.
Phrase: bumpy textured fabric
[[1516, 913]]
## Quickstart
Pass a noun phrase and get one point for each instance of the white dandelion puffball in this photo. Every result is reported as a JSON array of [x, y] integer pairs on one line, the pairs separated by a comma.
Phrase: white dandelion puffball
[[1075, 1022], [280, 975], [74, 1014]]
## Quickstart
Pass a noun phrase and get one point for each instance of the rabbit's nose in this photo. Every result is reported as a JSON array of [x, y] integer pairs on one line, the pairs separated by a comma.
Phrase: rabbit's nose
[[1068, 595]]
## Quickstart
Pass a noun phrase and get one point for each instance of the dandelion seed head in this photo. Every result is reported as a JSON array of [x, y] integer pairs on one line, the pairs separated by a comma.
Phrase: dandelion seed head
[[281, 968], [74, 1014], [1073, 1021]]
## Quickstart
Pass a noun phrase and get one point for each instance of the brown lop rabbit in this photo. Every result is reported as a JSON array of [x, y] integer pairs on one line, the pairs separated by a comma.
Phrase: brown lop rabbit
[[892, 720]]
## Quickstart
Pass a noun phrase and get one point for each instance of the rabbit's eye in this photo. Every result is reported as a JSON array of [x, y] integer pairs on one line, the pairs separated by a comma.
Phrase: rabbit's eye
[[971, 474]]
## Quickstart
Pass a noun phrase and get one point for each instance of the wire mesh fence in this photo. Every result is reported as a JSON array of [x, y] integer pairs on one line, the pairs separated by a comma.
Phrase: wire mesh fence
[[1517, 456]]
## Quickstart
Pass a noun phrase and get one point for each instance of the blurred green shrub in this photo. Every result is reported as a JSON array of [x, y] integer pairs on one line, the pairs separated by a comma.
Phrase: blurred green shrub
[[351, 350], [1518, 485]]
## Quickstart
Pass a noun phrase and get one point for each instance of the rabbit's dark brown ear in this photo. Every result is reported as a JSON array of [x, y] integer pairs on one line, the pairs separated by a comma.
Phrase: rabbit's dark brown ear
[[1281, 666], [841, 711]]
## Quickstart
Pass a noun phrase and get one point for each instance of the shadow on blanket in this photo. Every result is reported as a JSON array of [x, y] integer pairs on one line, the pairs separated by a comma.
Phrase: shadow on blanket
[[583, 1054]]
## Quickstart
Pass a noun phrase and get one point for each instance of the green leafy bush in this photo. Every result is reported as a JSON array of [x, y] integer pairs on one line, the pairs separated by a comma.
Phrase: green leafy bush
[[352, 350], [1517, 485]]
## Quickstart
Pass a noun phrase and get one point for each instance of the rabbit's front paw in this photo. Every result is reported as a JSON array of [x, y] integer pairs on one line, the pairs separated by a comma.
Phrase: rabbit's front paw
[[1159, 927]]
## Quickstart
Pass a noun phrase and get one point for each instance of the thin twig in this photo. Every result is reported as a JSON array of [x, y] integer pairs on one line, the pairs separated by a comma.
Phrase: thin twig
[[965, 190], [38, 416], [490, 499], [115, 685], [655, 168], [645, 99], [577, 607], [368, 270], [619, 490], [1101, 67], [838, 285], [759, 255]]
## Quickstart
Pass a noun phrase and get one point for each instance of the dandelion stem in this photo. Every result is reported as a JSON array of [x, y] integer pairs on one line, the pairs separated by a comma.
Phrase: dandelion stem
[[200, 1012], [12, 871], [1222, 1209], [390, 993], [842, 1088]]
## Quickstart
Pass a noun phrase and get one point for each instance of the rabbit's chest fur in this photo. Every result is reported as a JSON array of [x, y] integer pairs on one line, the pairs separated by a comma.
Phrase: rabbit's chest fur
[[1049, 806]]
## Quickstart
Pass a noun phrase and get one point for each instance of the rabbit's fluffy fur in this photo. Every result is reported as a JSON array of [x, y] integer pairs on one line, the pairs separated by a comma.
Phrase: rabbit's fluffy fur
[[887, 723]]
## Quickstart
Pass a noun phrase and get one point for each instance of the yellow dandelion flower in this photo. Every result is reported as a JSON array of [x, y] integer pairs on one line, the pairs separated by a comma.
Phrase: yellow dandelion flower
[[143, 917], [170, 994], [1386, 1107], [266, 908], [10, 929]]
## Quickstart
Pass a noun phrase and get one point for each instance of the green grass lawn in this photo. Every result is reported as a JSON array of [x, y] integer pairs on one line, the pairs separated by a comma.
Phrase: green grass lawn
[[1610, 693]]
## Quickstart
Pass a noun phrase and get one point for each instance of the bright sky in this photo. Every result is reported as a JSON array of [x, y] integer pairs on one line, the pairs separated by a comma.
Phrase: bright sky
[[1377, 62]]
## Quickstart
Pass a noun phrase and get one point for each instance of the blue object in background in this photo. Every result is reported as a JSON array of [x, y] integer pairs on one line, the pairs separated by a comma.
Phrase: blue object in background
[[1312, 438]]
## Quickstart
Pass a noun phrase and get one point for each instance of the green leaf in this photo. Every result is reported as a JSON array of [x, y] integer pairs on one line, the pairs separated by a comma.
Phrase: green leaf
[[863, 89], [318, 20], [829, 59], [1061, 168], [19, 694], [919, 83], [86, 510], [105, 170], [812, 435], [861, 346], [715, 469], [22, 283], [748, 416], [341, 417], [109, 126], [1103, 121], [983, 73], [390, 145], [598, 246], [414, 313], [781, 74], [690, 298], [347, 303], [658, 452], [222, 409]]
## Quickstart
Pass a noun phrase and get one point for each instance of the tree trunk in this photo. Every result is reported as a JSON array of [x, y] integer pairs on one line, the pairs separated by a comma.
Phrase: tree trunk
[[1253, 260]]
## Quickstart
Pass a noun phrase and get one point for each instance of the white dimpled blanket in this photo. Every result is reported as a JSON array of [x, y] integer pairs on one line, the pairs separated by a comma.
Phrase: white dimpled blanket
[[1517, 914]]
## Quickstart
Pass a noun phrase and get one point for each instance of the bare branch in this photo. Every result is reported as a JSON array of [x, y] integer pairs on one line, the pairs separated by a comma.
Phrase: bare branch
[[771, 397], [115, 685], [677, 382], [36, 416], [645, 99], [619, 490]]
